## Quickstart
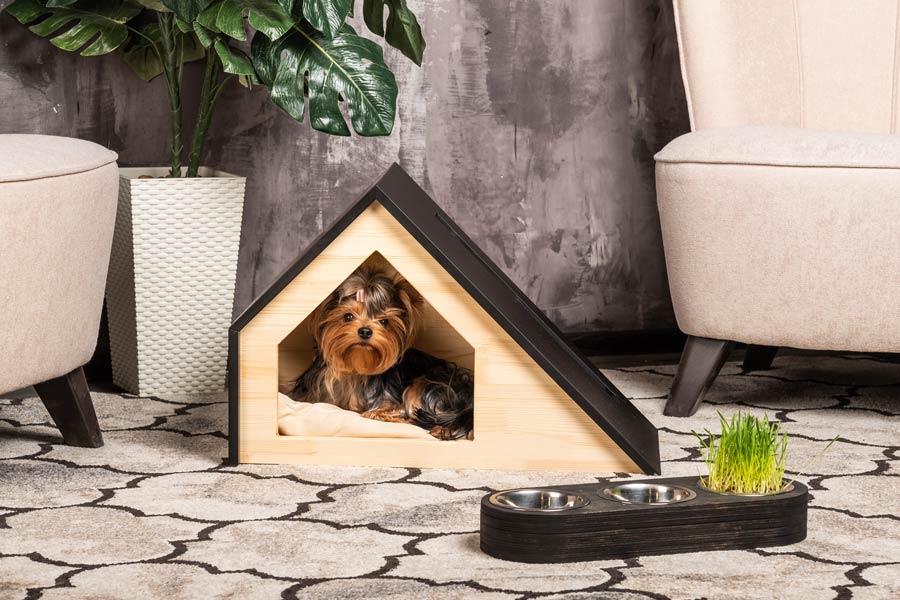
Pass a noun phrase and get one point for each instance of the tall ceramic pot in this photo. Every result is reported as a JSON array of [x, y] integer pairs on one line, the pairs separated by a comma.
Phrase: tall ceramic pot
[[171, 281]]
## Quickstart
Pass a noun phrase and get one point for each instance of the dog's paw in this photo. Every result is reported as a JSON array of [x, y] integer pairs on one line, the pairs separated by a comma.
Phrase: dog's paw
[[383, 415], [443, 433]]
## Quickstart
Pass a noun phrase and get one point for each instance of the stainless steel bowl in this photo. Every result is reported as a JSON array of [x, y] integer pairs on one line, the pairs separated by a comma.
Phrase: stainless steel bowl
[[648, 493], [538, 500]]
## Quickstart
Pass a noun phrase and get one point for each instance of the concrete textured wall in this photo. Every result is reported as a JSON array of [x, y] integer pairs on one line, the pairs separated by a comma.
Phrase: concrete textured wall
[[532, 123]]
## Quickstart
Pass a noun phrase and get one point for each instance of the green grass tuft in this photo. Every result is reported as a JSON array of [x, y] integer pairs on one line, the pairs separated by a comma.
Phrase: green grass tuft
[[748, 457]]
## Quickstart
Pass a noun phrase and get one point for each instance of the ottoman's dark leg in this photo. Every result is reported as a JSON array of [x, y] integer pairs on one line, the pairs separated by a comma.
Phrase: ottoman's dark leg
[[759, 358], [68, 401], [700, 363]]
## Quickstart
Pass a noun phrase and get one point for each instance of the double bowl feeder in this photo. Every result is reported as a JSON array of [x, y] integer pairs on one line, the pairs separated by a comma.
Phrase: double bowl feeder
[[622, 519]]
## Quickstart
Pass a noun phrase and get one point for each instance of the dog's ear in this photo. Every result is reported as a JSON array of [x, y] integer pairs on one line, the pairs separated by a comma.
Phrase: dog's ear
[[317, 319], [412, 303]]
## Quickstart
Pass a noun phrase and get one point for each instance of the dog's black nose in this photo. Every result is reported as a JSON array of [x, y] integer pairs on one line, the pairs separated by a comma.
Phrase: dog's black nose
[[364, 332]]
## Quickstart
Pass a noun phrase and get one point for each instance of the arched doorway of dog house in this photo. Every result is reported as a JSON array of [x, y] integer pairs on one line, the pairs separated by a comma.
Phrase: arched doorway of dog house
[[298, 351]]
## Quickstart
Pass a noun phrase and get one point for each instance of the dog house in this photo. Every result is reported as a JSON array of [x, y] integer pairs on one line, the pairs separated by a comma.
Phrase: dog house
[[539, 404]]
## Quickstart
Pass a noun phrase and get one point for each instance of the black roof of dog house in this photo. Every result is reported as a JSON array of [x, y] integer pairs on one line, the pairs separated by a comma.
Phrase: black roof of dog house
[[500, 298]]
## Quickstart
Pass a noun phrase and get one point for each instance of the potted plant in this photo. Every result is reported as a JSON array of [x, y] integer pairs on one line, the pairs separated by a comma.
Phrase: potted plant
[[172, 271], [748, 457]]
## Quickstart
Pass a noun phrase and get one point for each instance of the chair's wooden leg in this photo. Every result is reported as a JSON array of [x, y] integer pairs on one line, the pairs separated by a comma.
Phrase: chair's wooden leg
[[758, 358], [700, 363], [68, 400]]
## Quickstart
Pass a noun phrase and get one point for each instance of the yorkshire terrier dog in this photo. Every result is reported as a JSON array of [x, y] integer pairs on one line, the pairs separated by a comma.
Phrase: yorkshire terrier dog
[[365, 363]]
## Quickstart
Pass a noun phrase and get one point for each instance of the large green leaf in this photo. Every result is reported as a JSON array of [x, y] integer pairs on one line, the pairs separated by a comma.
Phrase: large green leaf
[[403, 31], [143, 59], [346, 66], [156, 5], [236, 62], [94, 27], [272, 17], [204, 35], [186, 10], [326, 15]]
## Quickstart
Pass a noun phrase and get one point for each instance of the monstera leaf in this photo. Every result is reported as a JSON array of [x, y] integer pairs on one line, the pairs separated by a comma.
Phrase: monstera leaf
[[186, 10], [156, 5], [345, 66], [403, 31], [94, 27], [236, 62], [143, 59], [271, 17], [327, 15]]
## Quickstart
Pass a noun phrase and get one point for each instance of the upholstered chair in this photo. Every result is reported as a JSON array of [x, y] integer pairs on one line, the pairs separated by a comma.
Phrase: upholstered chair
[[780, 211], [57, 212]]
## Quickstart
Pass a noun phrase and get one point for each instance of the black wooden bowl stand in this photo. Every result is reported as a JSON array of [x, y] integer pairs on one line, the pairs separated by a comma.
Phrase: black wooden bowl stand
[[605, 528]]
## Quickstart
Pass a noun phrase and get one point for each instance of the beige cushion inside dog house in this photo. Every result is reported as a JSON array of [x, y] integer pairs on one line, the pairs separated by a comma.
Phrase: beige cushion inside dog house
[[328, 420]]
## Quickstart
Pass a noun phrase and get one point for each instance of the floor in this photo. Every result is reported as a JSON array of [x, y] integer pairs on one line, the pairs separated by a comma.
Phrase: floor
[[155, 514]]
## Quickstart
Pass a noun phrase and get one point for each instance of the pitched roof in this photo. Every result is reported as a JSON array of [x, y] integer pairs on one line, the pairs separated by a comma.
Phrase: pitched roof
[[503, 301]]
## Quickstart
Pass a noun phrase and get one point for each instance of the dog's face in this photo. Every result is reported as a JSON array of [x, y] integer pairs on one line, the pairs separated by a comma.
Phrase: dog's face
[[369, 322]]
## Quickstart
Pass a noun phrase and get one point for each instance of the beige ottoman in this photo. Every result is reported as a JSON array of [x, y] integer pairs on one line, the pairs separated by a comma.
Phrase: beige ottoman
[[58, 206]]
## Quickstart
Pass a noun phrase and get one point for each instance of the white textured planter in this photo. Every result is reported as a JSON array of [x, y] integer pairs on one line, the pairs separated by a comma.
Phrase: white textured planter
[[171, 280]]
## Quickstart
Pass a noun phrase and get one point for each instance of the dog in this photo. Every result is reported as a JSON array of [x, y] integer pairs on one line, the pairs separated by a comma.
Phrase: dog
[[365, 361]]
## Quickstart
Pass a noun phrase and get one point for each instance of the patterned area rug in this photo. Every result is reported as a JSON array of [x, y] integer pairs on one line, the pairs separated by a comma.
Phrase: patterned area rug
[[155, 514]]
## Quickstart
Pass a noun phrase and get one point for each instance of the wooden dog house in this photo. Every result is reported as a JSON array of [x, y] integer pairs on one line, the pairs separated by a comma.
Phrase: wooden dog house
[[539, 403]]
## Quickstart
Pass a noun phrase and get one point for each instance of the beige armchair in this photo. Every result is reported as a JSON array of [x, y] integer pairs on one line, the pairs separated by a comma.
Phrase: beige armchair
[[57, 211], [780, 212]]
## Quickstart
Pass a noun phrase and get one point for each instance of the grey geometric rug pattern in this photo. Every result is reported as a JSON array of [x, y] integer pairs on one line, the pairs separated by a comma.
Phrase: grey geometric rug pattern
[[156, 514]]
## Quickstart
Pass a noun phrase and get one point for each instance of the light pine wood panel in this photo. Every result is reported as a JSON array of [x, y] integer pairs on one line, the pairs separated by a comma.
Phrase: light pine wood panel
[[523, 420]]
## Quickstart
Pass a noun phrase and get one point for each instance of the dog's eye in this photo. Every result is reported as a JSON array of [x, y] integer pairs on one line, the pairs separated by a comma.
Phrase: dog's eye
[[383, 322], [348, 317]]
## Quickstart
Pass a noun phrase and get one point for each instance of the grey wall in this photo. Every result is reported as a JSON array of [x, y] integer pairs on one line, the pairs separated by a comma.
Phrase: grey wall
[[532, 123]]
